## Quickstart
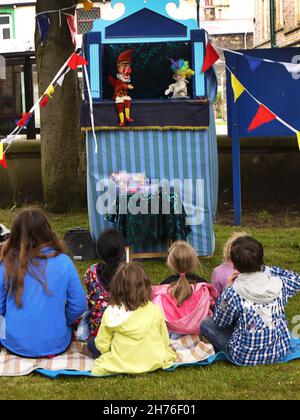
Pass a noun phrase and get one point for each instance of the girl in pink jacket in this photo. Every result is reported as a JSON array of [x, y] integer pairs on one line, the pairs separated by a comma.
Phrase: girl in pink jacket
[[186, 301]]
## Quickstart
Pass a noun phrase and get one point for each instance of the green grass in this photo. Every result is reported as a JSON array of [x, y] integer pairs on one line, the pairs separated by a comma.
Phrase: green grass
[[219, 381]]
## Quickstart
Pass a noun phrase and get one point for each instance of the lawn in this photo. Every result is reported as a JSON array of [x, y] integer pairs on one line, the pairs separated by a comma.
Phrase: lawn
[[220, 381]]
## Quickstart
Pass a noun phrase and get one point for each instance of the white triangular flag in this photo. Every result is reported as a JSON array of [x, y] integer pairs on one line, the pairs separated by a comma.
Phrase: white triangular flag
[[60, 81], [9, 139], [291, 67]]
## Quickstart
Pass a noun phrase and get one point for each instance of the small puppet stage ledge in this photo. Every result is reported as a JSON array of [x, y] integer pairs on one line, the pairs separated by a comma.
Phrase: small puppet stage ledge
[[150, 114]]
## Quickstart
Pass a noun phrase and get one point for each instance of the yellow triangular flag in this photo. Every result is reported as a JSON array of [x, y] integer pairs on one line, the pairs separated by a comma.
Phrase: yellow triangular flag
[[87, 5], [237, 87], [49, 91], [298, 138], [1, 151]]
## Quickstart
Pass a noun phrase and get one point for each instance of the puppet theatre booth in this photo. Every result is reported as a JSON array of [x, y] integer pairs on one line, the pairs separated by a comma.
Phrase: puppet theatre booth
[[141, 133]]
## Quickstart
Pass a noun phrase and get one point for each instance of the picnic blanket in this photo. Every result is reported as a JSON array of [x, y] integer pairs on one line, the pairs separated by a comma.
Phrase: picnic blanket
[[72, 360], [190, 350]]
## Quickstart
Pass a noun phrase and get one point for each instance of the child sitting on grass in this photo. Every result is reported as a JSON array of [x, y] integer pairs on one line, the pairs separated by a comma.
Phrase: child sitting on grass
[[133, 337], [185, 298], [111, 248], [250, 323], [226, 269], [40, 292]]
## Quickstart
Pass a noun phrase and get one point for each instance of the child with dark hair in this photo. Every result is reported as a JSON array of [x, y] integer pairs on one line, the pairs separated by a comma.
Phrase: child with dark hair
[[41, 295], [133, 337], [111, 248], [250, 323]]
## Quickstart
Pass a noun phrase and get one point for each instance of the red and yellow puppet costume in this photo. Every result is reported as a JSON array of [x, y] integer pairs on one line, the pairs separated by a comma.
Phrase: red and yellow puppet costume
[[121, 85]]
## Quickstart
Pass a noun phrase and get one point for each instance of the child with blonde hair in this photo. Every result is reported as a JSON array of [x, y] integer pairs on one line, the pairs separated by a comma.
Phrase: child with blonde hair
[[133, 337], [185, 298], [226, 269]]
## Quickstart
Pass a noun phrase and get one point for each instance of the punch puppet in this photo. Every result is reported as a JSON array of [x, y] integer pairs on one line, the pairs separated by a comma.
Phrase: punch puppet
[[121, 85]]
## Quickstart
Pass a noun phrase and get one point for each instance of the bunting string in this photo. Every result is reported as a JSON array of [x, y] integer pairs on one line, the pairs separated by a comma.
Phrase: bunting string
[[65, 9], [212, 56], [74, 61], [254, 62], [87, 80], [44, 23], [87, 4], [264, 114]]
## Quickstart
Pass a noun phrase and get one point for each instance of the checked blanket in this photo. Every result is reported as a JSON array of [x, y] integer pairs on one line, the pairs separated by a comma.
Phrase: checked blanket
[[72, 360], [189, 349]]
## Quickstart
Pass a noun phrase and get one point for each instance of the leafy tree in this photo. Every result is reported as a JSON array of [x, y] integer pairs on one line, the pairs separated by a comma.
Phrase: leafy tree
[[62, 146]]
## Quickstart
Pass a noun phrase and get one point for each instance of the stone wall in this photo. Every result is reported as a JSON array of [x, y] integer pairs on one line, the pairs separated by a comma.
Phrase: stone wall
[[287, 34], [270, 172]]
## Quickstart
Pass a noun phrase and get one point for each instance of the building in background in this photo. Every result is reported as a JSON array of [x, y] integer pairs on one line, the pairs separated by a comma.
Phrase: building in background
[[230, 24], [18, 89], [277, 23]]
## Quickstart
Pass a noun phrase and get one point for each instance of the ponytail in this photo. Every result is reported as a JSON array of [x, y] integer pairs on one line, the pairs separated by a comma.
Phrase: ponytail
[[109, 269], [181, 290]]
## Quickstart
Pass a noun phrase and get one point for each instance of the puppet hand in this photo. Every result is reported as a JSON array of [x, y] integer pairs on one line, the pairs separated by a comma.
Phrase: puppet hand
[[130, 86]]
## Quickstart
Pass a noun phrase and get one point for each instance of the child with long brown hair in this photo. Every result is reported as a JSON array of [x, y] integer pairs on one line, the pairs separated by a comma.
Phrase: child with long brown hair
[[187, 300], [40, 291], [133, 337]]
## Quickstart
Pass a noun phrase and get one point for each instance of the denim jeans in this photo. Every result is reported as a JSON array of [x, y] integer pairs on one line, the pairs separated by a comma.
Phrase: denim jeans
[[218, 337], [92, 348]]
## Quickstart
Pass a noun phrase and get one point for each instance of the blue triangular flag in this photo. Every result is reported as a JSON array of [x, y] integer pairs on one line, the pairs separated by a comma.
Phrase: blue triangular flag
[[44, 25], [254, 62]]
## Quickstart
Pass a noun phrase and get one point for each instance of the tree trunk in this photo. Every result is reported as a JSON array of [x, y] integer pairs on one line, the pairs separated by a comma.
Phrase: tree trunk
[[62, 146]]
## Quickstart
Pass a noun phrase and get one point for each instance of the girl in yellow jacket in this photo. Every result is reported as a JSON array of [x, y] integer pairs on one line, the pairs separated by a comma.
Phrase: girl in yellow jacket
[[133, 337]]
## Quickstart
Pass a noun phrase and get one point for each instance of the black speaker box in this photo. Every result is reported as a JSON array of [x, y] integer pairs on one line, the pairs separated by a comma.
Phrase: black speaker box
[[81, 244]]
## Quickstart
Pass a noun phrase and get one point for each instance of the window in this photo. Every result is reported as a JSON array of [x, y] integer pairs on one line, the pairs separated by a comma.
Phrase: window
[[5, 27], [85, 20]]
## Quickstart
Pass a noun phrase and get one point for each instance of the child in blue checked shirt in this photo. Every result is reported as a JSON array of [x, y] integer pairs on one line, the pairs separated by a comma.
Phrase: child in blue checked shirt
[[250, 323]]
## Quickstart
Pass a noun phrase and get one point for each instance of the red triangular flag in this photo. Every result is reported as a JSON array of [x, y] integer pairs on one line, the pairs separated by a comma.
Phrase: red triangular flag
[[211, 56], [76, 60], [24, 119], [44, 101], [3, 162], [72, 28], [263, 116]]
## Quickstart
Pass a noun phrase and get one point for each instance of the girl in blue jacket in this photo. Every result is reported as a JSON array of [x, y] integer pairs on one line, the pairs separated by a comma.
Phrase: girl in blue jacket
[[40, 291]]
